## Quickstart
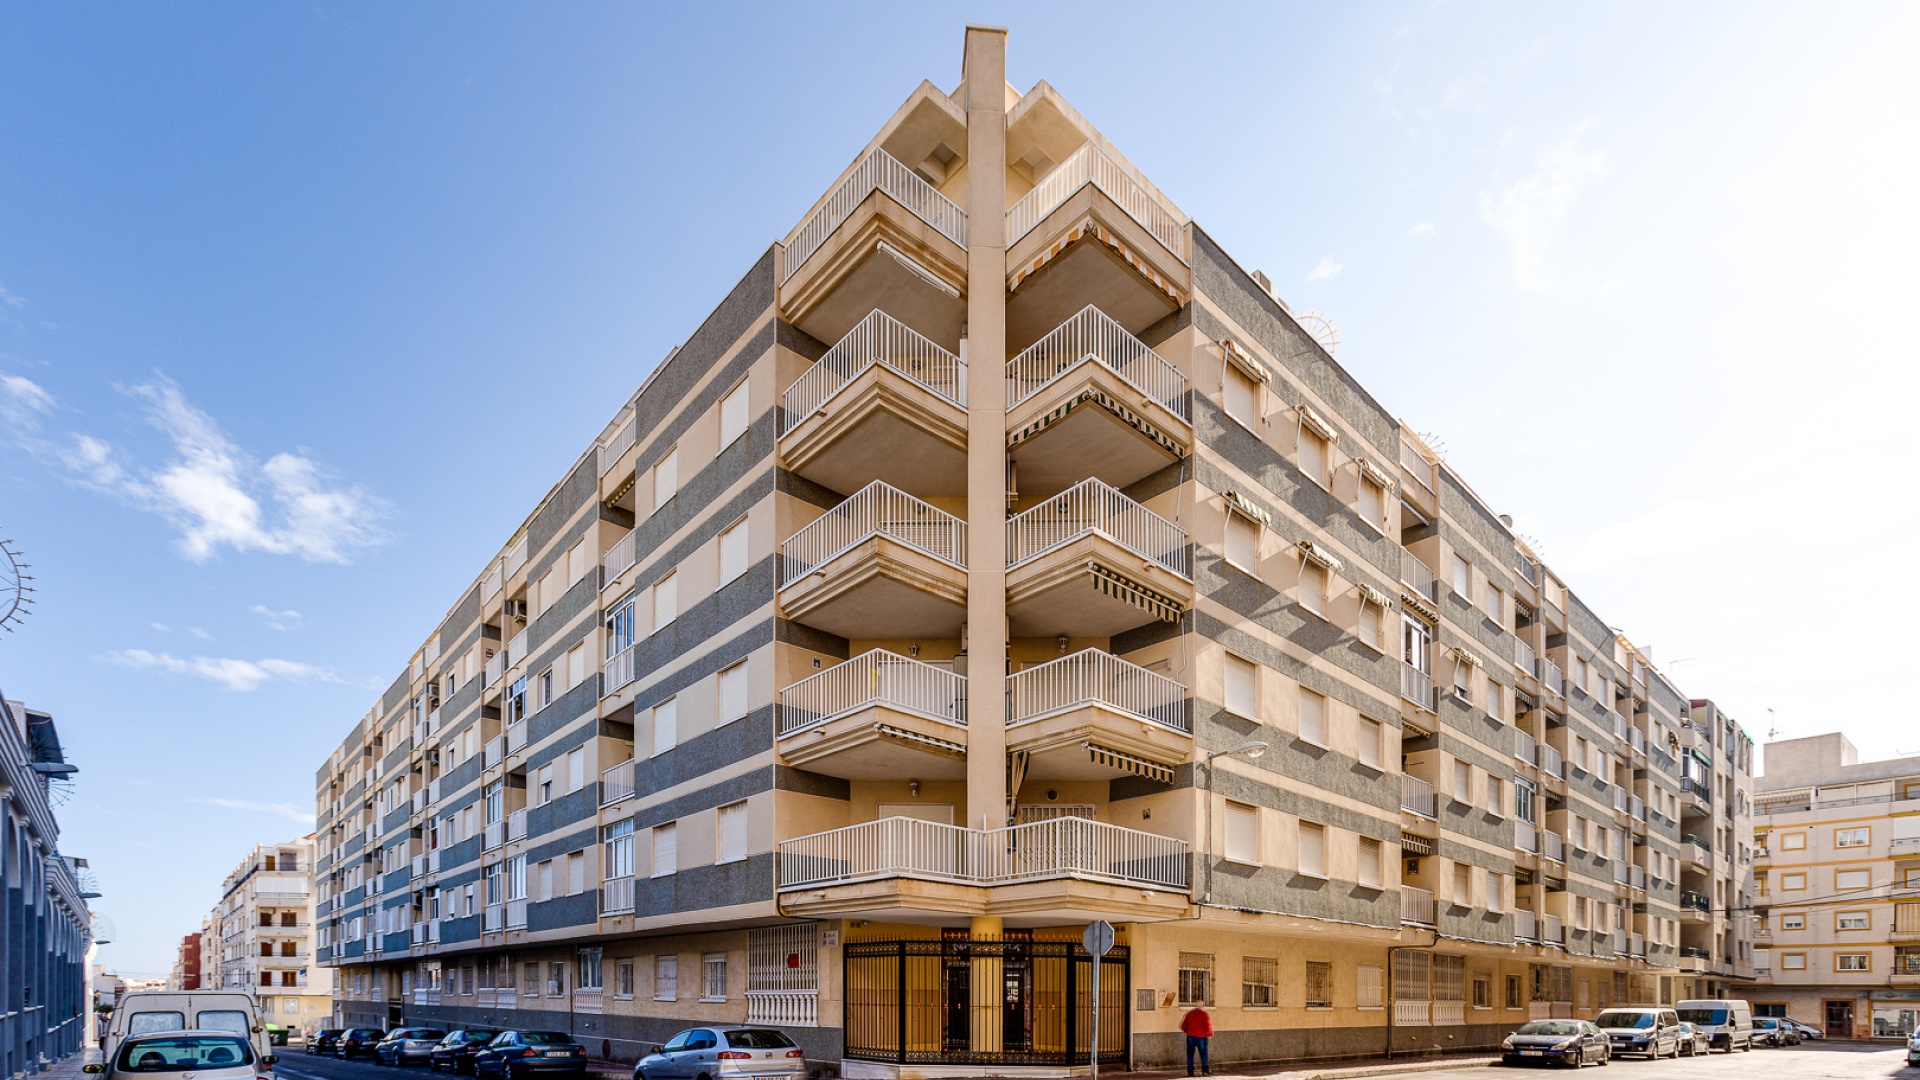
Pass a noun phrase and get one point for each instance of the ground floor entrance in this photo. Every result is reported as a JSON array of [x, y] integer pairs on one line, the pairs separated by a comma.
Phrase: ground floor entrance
[[1840, 1019]]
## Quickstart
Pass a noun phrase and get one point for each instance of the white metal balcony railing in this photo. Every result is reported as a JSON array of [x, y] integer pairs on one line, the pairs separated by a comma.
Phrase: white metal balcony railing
[[419, 867], [433, 861], [496, 665], [1091, 333], [621, 441], [898, 847], [620, 557], [494, 919], [879, 509], [496, 751], [1420, 467], [1523, 657], [1620, 942], [1619, 725], [1620, 874], [1555, 846], [517, 825], [1093, 676], [1637, 877], [491, 585], [878, 171], [1525, 837], [878, 339], [1620, 799], [516, 556], [874, 678], [1523, 746], [618, 670], [1416, 796], [1415, 574], [516, 736], [419, 933], [616, 895], [1636, 945], [1416, 906], [517, 648], [496, 835], [1552, 931], [1637, 739], [516, 914], [1092, 506], [616, 783], [433, 932], [1091, 165], [1416, 686], [1551, 763], [1526, 926], [1550, 677]]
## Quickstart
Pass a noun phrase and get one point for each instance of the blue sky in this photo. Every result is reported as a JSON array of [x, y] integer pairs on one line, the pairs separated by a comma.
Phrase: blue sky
[[272, 279]]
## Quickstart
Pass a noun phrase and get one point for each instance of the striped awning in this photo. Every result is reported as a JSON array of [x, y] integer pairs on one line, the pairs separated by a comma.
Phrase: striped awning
[[1415, 845], [1244, 360], [1466, 657], [1125, 415], [1121, 587], [1325, 558], [1139, 766], [620, 492], [919, 741], [1376, 474], [1371, 595], [1090, 229], [1245, 505], [1419, 605], [1318, 423]]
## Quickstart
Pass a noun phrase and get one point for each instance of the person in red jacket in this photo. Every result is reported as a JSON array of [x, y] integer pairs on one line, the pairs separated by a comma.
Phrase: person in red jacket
[[1199, 1028]]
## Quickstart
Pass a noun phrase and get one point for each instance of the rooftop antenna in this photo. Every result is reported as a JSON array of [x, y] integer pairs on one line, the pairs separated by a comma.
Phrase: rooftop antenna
[[1322, 330], [16, 596], [1773, 729]]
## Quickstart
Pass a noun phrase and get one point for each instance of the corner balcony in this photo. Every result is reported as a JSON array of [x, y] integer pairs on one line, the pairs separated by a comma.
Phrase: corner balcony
[[883, 238], [878, 716], [1090, 562], [884, 404], [1094, 716], [1056, 872], [882, 564], [1090, 399], [1092, 229]]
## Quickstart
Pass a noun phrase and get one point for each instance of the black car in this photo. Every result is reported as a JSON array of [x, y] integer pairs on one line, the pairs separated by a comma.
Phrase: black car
[[322, 1041], [457, 1051], [403, 1045], [1562, 1042], [513, 1055], [357, 1042]]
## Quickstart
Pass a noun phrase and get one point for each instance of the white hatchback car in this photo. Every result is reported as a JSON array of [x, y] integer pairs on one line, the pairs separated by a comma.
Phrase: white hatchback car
[[208, 1055]]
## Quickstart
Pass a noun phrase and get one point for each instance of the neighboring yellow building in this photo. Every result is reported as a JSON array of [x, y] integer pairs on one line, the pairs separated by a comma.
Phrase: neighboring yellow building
[[1838, 879], [1001, 556]]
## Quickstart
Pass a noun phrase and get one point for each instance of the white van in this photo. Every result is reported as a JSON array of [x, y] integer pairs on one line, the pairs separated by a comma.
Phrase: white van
[[1652, 1032], [1728, 1024], [146, 1012]]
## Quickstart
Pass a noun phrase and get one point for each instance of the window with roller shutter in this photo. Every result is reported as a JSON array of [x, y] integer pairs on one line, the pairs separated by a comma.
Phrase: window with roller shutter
[[732, 829], [1313, 849], [1241, 687], [1313, 717], [734, 413], [733, 551], [666, 850], [733, 693], [1243, 833]]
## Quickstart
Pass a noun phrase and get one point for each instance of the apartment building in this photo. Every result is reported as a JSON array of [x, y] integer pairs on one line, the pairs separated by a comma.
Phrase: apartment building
[[186, 965], [1837, 888], [839, 686], [262, 932], [1716, 844]]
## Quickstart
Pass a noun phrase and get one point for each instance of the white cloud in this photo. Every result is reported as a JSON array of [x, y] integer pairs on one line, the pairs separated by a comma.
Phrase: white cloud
[[279, 620], [285, 810], [22, 401], [11, 300], [160, 626], [1326, 271], [217, 496], [1425, 228], [1527, 213], [229, 672]]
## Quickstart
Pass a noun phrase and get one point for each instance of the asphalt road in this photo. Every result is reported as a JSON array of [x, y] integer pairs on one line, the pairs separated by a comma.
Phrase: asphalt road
[[1808, 1061], [296, 1064]]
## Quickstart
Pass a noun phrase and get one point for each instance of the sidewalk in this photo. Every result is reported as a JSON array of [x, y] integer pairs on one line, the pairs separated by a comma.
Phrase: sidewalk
[[68, 1068], [1351, 1070]]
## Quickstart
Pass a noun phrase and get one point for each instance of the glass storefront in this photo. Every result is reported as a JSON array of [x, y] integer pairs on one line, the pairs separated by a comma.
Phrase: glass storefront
[[1895, 1020]]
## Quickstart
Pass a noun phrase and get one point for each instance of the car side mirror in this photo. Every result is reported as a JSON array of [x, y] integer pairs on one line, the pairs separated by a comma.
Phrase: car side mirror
[[96, 1067], [270, 1059], [658, 1050]]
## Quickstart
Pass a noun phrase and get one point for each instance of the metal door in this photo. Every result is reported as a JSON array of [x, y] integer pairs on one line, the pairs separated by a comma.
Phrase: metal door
[[1840, 1019]]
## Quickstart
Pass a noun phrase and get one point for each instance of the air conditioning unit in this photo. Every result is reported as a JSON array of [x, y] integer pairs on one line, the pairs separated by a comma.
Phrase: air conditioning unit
[[517, 609]]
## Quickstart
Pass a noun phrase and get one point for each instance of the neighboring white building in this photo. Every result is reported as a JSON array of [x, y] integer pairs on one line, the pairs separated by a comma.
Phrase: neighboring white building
[[261, 936]]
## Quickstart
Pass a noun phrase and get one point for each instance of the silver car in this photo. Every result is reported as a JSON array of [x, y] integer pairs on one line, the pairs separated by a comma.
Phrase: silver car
[[724, 1053], [1693, 1041], [203, 1055]]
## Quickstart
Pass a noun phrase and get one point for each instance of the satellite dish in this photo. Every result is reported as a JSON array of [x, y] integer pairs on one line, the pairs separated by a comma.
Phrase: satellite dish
[[1322, 330], [103, 929]]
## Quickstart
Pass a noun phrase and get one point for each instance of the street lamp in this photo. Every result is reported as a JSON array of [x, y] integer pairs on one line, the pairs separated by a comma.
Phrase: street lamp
[[1251, 749]]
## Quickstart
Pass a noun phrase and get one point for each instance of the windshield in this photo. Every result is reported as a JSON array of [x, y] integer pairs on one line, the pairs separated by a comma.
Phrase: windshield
[[1550, 1027], [1704, 1016], [757, 1039], [1620, 1019], [221, 1020], [178, 1053], [545, 1038], [143, 1023]]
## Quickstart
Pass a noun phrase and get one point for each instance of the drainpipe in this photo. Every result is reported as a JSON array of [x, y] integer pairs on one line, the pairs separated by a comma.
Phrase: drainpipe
[[1391, 1001]]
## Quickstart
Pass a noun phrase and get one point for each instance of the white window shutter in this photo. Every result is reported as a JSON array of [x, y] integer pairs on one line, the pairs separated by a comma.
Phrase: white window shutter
[[665, 726], [1243, 833], [1313, 849]]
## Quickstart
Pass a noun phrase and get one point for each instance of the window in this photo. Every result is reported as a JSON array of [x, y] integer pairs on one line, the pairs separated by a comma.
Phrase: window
[[1853, 920], [619, 627], [1313, 588], [665, 726], [1371, 854], [1242, 397], [713, 977], [1196, 979], [529, 980], [666, 602], [733, 551], [1793, 961], [1313, 456], [1496, 893], [547, 591], [1524, 804], [666, 978], [1373, 626], [1462, 681], [579, 562], [1240, 687], [1462, 579], [545, 875], [1463, 885], [616, 849], [576, 770], [1496, 796], [666, 850], [1482, 990], [1313, 717], [576, 666], [544, 685], [1852, 961], [1852, 879], [666, 477], [1373, 503], [590, 969], [734, 414], [556, 978], [1493, 601], [623, 978], [1793, 922], [1372, 740], [1319, 984], [1463, 781], [732, 829], [733, 693], [1313, 849], [1369, 987], [543, 785], [1793, 841], [1850, 837], [1243, 833], [576, 873], [1259, 982], [1243, 543]]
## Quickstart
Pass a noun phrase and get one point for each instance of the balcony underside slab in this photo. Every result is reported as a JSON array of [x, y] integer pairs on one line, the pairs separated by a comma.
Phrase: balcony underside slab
[[880, 588], [882, 426], [1090, 251], [877, 743], [1057, 744], [1061, 592], [1051, 902], [1091, 423], [881, 257]]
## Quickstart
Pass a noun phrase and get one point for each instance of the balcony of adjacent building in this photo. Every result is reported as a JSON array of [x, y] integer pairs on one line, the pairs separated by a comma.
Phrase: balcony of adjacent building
[[1091, 715], [1091, 400], [1055, 871], [884, 403], [1696, 798], [880, 565], [1906, 921], [1089, 229], [1091, 562], [878, 716]]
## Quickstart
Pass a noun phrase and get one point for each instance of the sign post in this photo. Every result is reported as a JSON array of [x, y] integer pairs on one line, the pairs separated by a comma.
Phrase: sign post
[[1098, 939]]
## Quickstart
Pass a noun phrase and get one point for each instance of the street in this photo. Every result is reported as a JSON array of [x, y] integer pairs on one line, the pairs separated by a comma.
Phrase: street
[[295, 1064]]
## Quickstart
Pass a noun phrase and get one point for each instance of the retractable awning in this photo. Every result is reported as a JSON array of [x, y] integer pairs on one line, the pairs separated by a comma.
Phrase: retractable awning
[[1123, 588], [919, 741], [1139, 766]]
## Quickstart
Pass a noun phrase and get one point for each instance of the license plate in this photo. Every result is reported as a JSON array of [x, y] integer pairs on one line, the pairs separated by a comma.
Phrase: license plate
[[559, 1053], [1532, 1053]]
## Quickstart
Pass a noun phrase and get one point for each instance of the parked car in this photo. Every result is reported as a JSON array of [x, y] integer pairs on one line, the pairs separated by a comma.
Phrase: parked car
[[1728, 1022], [457, 1051], [513, 1055], [1789, 1031], [404, 1046], [1693, 1041], [149, 1012], [1913, 1048], [1807, 1031], [1652, 1033], [1766, 1032], [724, 1053], [322, 1041], [205, 1055], [357, 1042]]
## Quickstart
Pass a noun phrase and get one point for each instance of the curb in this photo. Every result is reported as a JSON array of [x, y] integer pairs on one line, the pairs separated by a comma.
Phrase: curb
[[1411, 1066]]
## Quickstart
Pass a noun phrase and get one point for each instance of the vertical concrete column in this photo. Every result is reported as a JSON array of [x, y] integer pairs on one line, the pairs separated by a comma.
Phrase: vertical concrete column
[[986, 105]]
